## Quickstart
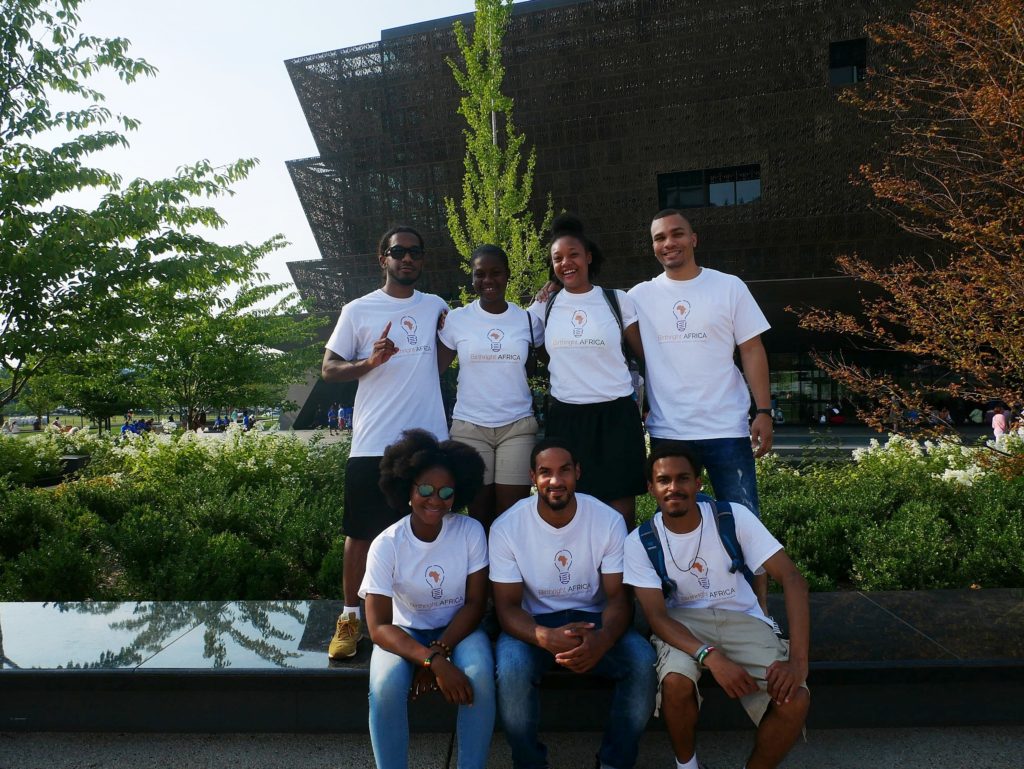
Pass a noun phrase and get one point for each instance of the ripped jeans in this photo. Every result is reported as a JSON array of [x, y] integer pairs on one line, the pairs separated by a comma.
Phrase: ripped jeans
[[730, 465]]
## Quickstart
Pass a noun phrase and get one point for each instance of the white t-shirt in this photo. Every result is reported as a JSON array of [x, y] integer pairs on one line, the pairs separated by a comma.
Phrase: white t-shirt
[[405, 392], [559, 568], [492, 350], [426, 581], [690, 330], [583, 340], [702, 576]]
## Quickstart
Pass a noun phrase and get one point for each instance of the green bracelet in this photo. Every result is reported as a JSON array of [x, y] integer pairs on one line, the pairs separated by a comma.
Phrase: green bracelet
[[703, 653]]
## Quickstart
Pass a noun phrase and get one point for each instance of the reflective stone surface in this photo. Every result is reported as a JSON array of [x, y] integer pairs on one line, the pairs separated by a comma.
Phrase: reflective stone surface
[[936, 625], [169, 634]]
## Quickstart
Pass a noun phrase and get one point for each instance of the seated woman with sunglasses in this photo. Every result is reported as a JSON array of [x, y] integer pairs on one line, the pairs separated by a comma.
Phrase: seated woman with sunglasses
[[494, 407], [425, 589]]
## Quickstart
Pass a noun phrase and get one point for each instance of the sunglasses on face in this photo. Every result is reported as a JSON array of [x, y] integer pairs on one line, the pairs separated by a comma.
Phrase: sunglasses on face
[[399, 252], [425, 490]]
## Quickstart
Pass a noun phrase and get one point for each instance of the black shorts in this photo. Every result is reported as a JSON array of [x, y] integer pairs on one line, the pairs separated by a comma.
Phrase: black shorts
[[367, 512], [608, 440]]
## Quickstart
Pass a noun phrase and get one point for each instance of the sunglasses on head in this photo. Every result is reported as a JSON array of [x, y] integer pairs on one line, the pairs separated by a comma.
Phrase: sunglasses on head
[[426, 490], [399, 252]]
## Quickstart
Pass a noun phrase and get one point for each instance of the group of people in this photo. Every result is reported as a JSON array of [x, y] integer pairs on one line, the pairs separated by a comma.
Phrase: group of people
[[560, 561], [338, 419], [1004, 422], [222, 423]]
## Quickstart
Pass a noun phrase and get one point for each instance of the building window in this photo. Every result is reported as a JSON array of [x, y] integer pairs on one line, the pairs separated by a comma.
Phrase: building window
[[713, 187], [847, 61]]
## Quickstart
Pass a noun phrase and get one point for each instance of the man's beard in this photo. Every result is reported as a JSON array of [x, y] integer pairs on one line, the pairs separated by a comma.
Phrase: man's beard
[[401, 279], [559, 504]]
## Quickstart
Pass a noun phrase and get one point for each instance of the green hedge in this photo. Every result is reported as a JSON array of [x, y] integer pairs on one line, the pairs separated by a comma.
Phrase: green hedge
[[258, 517], [254, 516], [901, 516]]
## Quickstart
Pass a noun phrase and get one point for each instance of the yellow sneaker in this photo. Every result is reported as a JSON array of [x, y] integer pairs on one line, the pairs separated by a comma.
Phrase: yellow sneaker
[[346, 637]]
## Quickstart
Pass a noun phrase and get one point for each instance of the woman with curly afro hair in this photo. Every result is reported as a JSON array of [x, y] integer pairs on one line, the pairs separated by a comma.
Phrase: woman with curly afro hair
[[425, 590]]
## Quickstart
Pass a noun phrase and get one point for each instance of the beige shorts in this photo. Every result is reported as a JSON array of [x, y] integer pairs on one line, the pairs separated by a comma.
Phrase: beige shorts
[[745, 640], [505, 450]]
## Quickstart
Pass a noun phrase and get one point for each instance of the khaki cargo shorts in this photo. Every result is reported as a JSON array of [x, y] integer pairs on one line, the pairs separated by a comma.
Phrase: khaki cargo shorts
[[746, 640]]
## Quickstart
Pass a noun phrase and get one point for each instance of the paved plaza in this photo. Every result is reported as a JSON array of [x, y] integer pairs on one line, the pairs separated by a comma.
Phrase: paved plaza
[[960, 748]]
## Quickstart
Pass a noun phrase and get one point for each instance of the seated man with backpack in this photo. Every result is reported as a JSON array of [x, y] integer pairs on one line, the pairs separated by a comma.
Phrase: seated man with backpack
[[688, 568]]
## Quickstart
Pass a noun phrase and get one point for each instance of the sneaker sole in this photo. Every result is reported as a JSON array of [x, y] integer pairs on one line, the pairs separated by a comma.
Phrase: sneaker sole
[[345, 656]]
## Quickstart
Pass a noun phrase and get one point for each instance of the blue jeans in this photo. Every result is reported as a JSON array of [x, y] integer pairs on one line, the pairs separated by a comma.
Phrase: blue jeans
[[630, 664], [390, 680], [730, 466]]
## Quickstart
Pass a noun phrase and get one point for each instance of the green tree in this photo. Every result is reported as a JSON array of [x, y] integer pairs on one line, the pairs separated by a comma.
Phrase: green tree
[[102, 382], [498, 182], [229, 353], [70, 277], [950, 172]]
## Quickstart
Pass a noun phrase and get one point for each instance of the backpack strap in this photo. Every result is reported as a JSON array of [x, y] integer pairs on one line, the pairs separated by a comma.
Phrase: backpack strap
[[547, 308], [531, 354], [725, 522], [613, 304], [652, 544]]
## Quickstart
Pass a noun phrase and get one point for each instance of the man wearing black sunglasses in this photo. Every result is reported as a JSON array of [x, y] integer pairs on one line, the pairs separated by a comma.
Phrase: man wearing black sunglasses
[[387, 340]]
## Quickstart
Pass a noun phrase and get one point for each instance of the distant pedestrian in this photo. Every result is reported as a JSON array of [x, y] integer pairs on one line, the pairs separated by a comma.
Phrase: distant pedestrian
[[999, 424], [332, 419]]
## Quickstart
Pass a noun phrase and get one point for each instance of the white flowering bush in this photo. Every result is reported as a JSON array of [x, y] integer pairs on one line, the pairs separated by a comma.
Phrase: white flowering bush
[[901, 515]]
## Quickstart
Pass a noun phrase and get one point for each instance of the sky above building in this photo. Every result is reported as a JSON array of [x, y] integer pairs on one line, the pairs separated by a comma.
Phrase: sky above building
[[223, 93]]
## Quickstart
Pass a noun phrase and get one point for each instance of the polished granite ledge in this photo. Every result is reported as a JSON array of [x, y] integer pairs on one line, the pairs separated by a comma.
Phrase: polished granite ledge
[[877, 659], [848, 628]]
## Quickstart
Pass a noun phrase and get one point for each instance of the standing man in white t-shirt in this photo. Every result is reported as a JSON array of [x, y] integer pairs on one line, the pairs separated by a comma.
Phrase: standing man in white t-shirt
[[388, 341], [556, 570], [692, 321], [705, 617]]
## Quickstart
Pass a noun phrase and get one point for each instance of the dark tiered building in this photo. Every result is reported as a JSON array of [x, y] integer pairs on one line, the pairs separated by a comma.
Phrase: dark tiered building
[[727, 108]]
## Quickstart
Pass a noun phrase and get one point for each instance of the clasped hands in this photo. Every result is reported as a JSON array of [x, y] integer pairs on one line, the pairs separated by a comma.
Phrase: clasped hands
[[577, 646]]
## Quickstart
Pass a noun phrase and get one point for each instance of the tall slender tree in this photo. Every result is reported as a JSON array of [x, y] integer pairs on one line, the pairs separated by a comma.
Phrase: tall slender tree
[[498, 184]]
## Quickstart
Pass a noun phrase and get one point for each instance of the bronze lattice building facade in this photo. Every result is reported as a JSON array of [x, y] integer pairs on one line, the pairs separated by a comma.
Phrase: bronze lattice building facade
[[728, 108]]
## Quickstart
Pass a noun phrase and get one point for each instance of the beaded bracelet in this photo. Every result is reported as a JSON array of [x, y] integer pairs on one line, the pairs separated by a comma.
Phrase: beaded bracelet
[[444, 647], [428, 660]]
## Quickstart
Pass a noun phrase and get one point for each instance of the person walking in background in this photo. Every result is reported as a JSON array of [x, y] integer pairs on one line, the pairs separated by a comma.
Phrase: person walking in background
[[425, 589], [494, 406], [387, 341], [591, 405], [332, 419], [999, 422]]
